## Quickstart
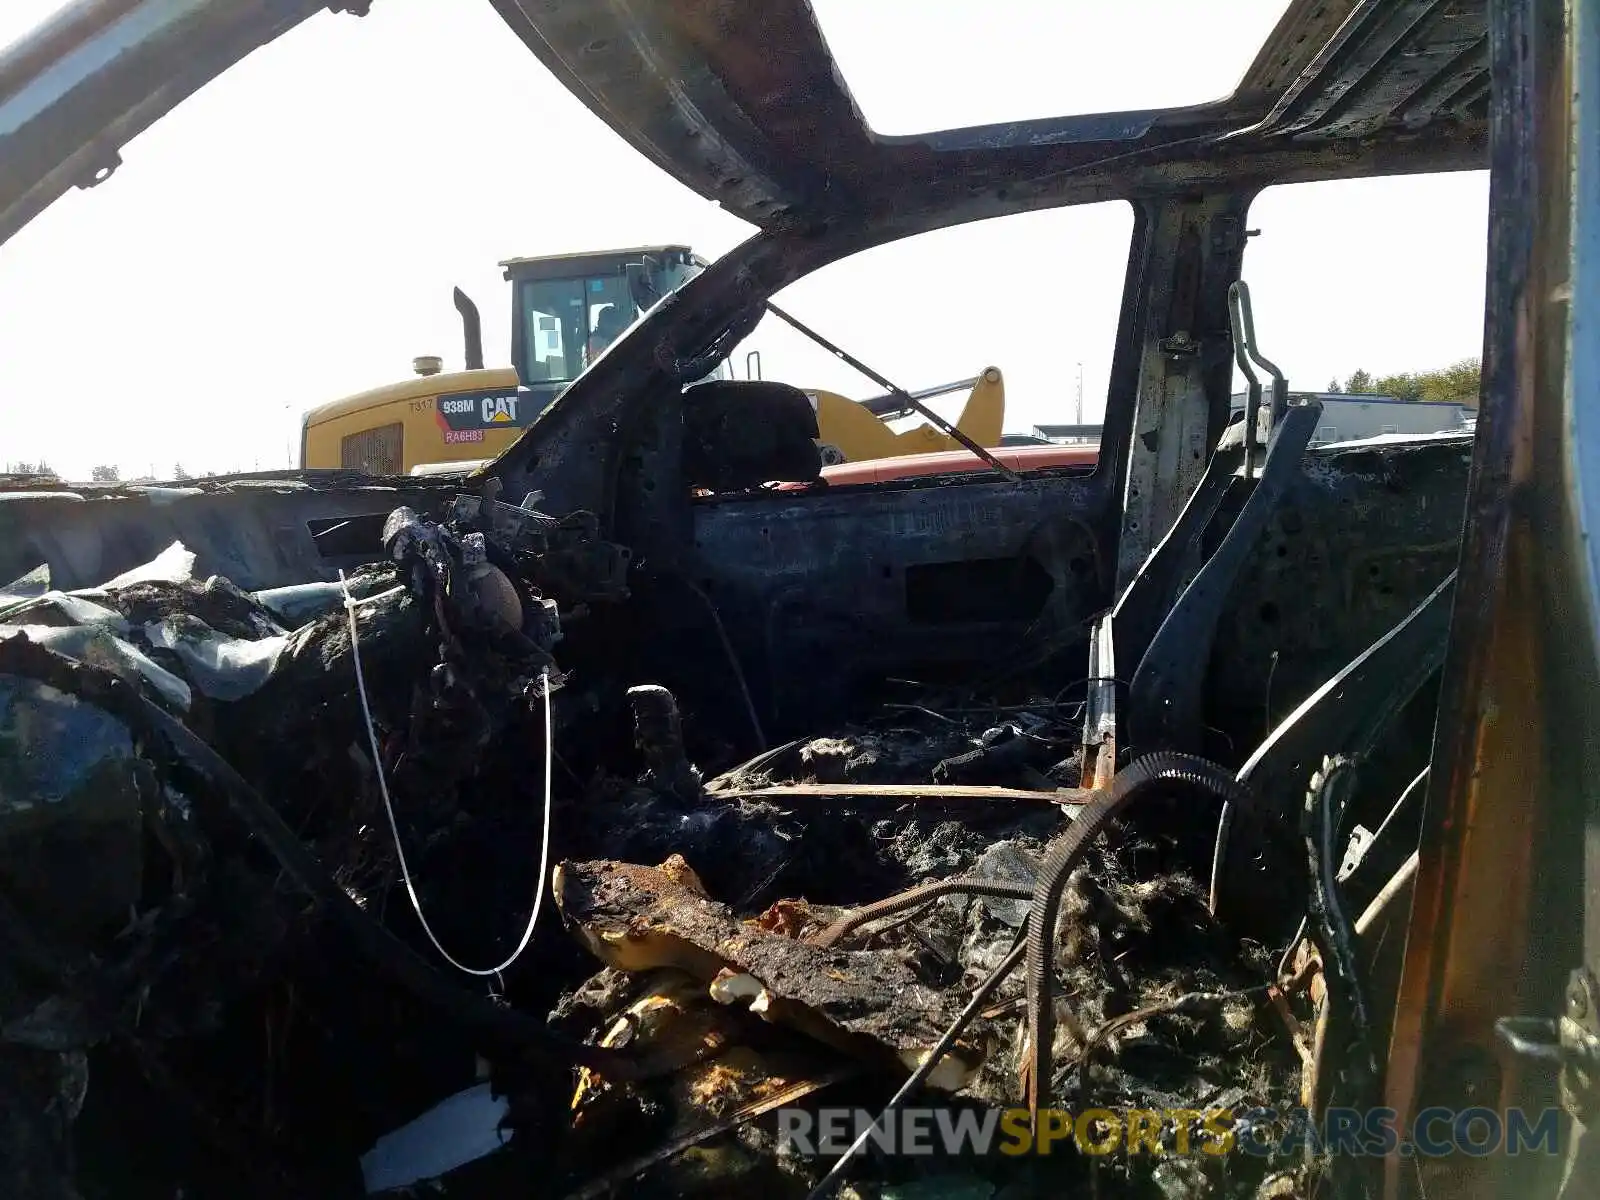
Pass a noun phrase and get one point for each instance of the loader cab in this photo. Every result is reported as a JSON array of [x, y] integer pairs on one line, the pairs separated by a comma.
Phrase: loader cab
[[567, 309]]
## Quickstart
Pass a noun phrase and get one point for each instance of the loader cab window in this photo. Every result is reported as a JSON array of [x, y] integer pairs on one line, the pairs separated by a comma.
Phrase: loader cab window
[[554, 315], [606, 321], [608, 311], [568, 322]]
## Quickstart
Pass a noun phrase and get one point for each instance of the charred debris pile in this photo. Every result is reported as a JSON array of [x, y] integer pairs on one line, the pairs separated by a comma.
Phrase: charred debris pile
[[270, 860]]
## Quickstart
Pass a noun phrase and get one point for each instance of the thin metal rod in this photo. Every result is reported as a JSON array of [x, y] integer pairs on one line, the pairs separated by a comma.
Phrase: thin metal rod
[[1396, 884], [1280, 385], [1241, 322], [888, 405], [898, 392], [929, 1062]]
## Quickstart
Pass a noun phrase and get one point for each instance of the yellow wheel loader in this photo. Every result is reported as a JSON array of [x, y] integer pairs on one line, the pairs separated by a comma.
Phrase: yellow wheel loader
[[565, 310], [857, 430]]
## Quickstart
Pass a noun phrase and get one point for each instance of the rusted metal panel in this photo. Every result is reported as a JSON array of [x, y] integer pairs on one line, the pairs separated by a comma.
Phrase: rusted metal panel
[[1411, 55], [819, 591], [1195, 252], [1363, 535], [1498, 915], [1300, 33]]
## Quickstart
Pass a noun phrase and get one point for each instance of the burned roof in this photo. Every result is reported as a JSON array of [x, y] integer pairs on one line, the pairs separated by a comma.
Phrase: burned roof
[[1339, 88]]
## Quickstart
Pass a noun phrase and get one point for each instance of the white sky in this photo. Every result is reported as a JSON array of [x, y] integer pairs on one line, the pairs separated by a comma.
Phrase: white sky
[[292, 232]]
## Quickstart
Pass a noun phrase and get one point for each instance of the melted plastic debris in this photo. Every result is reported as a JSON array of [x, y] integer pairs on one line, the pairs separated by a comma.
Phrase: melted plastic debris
[[74, 608], [160, 496], [93, 645], [223, 668], [27, 587], [175, 564]]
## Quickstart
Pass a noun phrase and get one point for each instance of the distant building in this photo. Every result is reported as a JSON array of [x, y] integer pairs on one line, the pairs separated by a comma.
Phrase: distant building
[[1349, 416], [1066, 435], [1346, 417]]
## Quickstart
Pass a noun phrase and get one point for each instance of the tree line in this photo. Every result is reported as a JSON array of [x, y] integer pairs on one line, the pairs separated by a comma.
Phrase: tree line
[[1456, 384], [105, 473]]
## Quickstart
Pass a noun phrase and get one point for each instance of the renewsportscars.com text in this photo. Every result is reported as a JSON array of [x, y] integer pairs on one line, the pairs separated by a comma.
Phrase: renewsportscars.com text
[[1434, 1132]]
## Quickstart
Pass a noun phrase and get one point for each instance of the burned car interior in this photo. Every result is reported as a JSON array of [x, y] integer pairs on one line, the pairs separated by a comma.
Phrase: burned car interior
[[1221, 777]]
